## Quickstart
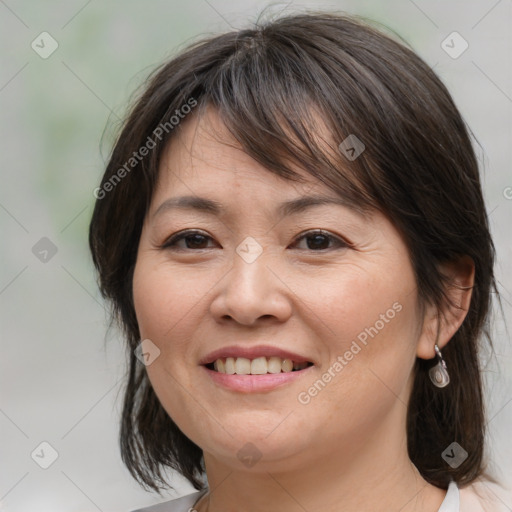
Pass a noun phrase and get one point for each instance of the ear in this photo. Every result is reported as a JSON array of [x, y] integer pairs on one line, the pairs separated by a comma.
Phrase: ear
[[439, 325]]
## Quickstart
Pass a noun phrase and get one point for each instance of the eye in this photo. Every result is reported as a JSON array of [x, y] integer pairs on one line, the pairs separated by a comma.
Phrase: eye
[[193, 240], [319, 240], [316, 240]]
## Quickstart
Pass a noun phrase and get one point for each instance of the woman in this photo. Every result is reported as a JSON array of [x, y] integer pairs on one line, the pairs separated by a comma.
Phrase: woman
[[298, 375]]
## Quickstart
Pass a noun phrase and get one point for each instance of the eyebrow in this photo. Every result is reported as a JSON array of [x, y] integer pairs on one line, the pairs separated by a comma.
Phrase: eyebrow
[[285, 209]]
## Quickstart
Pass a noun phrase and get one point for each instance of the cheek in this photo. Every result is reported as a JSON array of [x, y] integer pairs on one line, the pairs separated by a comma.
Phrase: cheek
[[165, 305], [149, 298], [367, 323], [369, 330], [361, 304], [164, 299]]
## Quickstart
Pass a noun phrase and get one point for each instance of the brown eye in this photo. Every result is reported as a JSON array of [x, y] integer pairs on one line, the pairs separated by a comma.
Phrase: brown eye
[[320, 240], [192, 239]]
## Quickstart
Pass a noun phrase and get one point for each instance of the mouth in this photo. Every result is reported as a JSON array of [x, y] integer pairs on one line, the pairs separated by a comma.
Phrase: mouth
[[258, 366]]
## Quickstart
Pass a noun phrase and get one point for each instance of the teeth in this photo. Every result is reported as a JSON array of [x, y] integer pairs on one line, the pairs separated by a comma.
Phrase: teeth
[[229, 367], [257, 366], [220, 366], [287, 365], [242, 366], [274, 365]]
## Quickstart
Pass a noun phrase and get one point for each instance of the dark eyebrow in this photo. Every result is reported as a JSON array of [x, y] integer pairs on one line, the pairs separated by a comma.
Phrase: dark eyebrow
[[287, 208]]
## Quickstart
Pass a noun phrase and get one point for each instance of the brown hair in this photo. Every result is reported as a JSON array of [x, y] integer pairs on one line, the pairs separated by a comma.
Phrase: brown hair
[[418, 168]]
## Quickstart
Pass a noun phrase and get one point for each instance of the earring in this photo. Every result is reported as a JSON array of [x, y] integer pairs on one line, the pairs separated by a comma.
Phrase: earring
[[439, 373]]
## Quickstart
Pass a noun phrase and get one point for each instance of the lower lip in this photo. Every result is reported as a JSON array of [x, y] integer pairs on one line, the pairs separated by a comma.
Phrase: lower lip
[[255, 383]]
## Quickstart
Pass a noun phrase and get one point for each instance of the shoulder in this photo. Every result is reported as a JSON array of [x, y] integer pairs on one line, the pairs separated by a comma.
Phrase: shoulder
[[183, 504], [485, 496]]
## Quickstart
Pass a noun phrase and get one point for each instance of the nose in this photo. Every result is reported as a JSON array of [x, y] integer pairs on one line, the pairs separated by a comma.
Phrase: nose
[[251, 293]]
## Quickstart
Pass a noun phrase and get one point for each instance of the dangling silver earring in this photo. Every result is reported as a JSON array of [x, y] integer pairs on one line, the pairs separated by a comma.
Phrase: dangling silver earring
[[439, 373]]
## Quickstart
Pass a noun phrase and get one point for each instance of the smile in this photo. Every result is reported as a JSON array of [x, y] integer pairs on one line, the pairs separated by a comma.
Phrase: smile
[[258, 366]]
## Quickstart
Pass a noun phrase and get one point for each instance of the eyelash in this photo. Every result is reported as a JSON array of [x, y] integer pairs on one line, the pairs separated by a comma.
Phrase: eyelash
[[171, 242]]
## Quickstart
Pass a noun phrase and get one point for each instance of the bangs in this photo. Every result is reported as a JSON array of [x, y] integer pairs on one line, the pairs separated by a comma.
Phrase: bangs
[[284, 118]]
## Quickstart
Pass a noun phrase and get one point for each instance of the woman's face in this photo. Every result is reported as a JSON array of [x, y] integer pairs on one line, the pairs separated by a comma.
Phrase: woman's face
[[252, 284]]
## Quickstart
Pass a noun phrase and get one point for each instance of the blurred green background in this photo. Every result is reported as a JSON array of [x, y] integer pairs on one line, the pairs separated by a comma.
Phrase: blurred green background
[[61, 374]]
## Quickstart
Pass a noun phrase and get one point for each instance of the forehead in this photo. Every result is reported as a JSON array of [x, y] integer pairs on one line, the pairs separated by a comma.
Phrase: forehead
[[204, 152], [204, 158], [205, 170]]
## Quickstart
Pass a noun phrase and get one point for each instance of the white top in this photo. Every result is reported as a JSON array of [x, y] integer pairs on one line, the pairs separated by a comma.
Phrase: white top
[[186, 503], [183, 504], [451, 500], [479, 496]]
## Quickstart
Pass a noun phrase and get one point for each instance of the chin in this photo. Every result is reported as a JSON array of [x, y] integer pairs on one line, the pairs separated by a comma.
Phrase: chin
[[269, 445]]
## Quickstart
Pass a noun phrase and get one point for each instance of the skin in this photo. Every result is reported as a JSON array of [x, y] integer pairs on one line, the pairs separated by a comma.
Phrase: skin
[[345, 449]]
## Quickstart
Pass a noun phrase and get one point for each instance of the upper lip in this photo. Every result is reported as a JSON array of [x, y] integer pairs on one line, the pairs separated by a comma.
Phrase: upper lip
[[252, 353]]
